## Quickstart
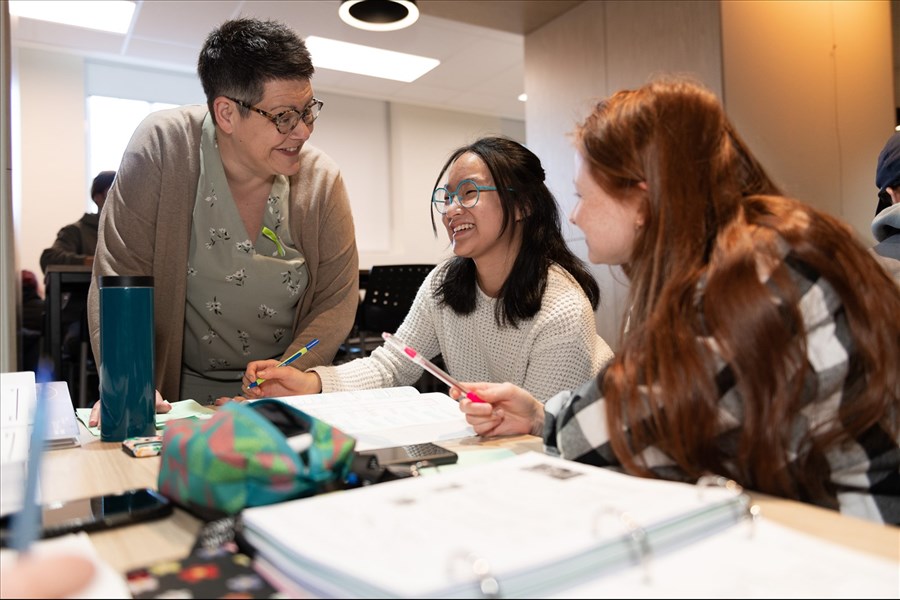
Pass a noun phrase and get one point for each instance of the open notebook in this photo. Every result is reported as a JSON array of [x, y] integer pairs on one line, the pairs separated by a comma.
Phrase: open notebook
[[526, 526], [542, 527], [377, 418], [385, 417]]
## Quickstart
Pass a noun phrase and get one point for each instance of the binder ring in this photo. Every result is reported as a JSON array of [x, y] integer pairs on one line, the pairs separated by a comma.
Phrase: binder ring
[[640, 542], [487, 583], [720, 482], [752, 511]]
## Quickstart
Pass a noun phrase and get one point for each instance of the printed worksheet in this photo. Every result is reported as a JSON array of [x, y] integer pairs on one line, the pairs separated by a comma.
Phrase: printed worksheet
[[386, 417]]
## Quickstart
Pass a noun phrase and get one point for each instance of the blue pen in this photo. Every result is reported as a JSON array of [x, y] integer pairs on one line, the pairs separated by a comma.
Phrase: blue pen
[[27, 522], [288, 360]]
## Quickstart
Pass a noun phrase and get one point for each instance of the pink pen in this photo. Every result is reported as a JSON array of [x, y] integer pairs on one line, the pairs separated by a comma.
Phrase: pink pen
[[428, 365]]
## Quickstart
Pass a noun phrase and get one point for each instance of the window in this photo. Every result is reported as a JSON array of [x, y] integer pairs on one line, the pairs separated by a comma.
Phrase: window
[[110, 123]]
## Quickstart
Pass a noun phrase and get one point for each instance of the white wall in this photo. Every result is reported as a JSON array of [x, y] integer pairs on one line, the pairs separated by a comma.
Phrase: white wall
[[389, 154], [53, 163]]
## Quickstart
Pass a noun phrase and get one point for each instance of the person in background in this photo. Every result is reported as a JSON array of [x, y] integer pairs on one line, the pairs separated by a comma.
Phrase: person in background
[[762, 342], [886, 225], [514, 304], [245, 228], [32, 322], [75, 243]]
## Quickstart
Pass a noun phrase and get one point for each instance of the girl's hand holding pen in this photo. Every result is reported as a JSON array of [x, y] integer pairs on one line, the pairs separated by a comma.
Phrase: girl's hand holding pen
[[284, 382], [506, 409], [254, 371], [259, 380], [278, 380], [411, 354]]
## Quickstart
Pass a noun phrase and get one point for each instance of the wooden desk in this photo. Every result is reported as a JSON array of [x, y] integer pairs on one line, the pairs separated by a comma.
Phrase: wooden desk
[[103, 468], [61, 279], [99, 468]]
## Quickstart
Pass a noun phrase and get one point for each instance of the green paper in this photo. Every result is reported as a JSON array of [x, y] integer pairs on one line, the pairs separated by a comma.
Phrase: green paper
[[183, 409]]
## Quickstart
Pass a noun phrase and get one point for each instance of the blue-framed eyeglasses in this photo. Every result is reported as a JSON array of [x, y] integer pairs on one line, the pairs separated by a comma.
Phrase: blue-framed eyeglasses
[[286, 121], [467, 194]]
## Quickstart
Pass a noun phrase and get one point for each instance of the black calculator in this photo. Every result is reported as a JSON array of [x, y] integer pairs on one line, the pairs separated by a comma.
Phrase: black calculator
[[427, 453]]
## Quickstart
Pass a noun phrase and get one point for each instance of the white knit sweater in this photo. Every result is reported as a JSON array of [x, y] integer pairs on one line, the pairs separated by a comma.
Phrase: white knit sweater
[[557, 349]]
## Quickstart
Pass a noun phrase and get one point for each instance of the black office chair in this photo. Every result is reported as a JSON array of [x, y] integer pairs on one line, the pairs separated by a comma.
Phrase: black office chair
[[389, 294], [80, 366]]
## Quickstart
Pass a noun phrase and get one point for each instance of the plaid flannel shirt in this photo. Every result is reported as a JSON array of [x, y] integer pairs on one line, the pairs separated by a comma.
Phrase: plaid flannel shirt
[[865, 474]]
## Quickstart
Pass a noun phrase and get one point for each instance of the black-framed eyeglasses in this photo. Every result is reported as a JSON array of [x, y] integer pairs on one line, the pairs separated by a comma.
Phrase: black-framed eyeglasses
[[286, 121], [467, 194]]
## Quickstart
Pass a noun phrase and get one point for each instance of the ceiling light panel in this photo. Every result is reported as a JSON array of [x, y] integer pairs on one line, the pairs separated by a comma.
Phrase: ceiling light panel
[[366, 60], [106, 15]]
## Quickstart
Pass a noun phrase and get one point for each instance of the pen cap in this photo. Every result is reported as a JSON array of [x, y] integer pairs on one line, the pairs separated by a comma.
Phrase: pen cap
[[127, 391]]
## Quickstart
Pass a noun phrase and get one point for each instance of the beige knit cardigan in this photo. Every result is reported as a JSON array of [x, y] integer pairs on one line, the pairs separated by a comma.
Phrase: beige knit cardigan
[[145, 229]]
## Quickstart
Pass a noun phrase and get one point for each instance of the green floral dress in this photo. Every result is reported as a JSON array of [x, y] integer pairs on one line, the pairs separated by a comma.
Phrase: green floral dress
[[242, 290]]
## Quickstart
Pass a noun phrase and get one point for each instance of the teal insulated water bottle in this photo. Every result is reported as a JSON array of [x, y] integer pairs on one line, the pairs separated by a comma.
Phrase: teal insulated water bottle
[[127, 392]]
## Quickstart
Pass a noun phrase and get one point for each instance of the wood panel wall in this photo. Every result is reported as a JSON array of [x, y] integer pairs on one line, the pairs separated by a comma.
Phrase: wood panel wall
[[808, 84]]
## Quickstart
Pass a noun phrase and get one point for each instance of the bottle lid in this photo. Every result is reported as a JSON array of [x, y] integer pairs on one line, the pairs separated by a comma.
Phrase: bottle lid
[[106, 281]]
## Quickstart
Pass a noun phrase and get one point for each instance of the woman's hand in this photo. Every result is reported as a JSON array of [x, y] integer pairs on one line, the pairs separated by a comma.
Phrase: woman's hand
[[507, 409], [162, 407]]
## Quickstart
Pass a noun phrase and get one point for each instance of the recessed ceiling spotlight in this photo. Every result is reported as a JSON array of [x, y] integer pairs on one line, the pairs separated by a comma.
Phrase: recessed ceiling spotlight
[[379, 15]]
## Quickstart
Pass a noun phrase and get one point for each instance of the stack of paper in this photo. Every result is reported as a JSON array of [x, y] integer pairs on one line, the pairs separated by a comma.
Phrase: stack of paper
[[62, 427], [18, 400]]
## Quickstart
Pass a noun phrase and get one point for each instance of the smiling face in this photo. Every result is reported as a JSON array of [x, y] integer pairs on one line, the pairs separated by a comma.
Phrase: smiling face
[[253, 144], [610, 225], [475, 232]]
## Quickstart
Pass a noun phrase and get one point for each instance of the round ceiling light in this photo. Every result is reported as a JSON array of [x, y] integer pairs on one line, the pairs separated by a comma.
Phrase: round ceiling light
[[379, 15]]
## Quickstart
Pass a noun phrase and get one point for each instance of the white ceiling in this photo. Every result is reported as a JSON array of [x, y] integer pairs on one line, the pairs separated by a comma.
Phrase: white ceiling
[[481, 68]]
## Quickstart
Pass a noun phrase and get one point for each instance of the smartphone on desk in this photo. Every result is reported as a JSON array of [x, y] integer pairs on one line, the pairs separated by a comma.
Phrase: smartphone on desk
[[427, 453], [97, 513]]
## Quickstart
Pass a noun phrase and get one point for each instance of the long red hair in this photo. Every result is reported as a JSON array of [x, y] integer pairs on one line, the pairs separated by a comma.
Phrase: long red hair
[[713, 221]]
